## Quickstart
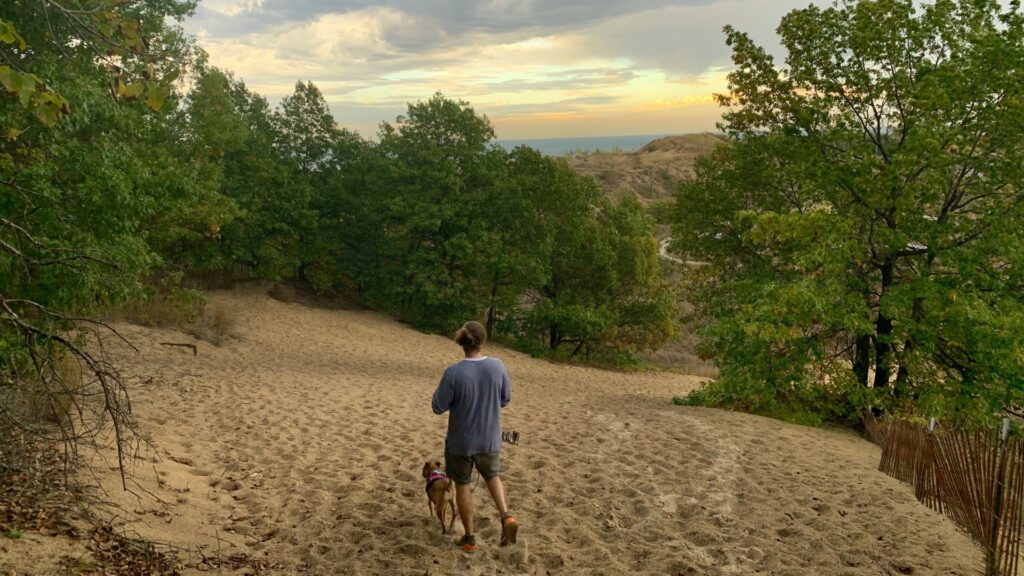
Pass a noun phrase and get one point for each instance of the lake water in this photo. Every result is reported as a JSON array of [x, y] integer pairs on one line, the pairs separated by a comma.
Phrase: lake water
[[565, 146]]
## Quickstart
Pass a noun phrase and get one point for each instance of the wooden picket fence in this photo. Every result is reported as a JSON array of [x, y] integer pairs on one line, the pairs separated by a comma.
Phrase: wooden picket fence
[[975, 477]]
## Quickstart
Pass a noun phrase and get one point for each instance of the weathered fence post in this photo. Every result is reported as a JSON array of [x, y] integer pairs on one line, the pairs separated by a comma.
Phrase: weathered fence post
[[926, 481], [976, 478]]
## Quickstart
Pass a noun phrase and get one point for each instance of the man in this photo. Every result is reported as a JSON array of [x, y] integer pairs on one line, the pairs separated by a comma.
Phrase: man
[[475, 390]]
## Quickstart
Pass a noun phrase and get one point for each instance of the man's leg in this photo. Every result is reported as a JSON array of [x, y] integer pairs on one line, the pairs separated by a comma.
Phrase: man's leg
[[490, 468], [509, 526], [497, 491], [464, 498], [460, 469]]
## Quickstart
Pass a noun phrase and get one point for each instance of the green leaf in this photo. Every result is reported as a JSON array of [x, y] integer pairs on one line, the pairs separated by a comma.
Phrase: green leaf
[[25, 88], [129, 28], [156, 97], [9, 35], [132, 91], [7, 78]]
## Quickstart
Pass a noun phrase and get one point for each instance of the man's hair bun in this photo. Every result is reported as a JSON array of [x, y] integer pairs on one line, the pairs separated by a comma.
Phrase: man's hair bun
[[471, 336]]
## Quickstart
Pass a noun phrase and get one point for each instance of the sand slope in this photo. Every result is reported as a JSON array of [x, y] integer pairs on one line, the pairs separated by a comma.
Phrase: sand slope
[[303, 439]]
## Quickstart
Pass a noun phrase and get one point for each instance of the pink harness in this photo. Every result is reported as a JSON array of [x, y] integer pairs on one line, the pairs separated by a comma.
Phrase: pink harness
[[434, 477]]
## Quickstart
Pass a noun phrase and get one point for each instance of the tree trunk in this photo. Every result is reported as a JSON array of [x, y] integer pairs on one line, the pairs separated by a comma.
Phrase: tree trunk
[[490, 322], [903, 373], [883, 333], [554, 338], [862, 359], [578, 347], [491, 319]]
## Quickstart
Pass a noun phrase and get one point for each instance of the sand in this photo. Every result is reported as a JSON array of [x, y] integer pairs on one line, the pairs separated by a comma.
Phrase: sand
[[652, 173], [301, 441]]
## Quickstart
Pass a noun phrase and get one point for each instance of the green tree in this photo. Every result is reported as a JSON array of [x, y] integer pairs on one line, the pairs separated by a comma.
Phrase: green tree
[[320, 157], [605, 290], [272, 166], [862, 224], [517, 235], [436, 224], [131, 37], [438, 165], [87, 177]]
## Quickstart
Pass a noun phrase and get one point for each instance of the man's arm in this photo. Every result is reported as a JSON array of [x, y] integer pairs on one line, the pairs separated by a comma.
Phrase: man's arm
[[506, 388], [442, 400]]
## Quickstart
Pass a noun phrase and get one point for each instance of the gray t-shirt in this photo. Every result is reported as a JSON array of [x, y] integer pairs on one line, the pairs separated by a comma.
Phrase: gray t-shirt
[[474, 391]]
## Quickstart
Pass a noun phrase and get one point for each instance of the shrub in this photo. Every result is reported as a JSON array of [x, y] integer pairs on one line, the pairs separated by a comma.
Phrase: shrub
[[165, 305], [216, 324], [52, 397], [809, 405]]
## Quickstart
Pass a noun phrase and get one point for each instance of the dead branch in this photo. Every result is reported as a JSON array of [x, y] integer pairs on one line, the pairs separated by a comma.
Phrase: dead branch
[[195, 350], [45, 343]]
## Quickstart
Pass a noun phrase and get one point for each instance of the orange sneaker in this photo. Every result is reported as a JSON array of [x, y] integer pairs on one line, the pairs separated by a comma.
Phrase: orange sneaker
[[467, 543], [509, 527]]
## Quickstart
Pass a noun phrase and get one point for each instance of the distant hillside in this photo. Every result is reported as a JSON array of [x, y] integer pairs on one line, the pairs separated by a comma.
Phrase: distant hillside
[[652, 172]]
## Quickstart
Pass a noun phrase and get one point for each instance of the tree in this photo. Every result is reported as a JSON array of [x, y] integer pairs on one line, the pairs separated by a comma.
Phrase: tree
[[85, 172], [518, 211], [437, 167], [437, 225], [605, 289], [319, 157], [863, 221]]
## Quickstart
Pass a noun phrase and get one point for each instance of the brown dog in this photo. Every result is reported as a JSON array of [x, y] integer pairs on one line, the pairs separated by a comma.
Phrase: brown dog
[[440, 492]]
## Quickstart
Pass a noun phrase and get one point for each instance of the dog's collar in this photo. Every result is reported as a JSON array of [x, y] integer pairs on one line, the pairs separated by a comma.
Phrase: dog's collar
[[434, 477]]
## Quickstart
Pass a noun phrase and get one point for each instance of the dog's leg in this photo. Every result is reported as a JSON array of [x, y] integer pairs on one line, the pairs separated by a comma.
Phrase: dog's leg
[[440, 516], [454, 514], [430, 505]]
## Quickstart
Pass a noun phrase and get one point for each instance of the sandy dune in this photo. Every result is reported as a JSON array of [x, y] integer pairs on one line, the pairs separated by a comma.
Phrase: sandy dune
[[302, 440], [652, 173]]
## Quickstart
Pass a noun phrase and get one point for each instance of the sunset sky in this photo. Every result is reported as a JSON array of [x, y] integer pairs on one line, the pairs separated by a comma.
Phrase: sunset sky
[[537, 68]]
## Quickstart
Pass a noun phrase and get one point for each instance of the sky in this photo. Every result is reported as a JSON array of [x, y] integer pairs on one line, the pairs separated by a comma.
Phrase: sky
[[536, 68]]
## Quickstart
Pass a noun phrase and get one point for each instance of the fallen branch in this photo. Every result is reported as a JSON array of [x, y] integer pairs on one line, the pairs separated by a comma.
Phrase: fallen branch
[[195, 351]]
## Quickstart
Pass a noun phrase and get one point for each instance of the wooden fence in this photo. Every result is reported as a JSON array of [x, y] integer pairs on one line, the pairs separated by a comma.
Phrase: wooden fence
[[974, 477]]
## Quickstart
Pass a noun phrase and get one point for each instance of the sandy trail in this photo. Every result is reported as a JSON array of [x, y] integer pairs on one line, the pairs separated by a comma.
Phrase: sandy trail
[[302, 440]]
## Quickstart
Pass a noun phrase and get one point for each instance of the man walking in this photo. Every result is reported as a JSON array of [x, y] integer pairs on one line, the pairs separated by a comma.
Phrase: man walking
[[475, 390]]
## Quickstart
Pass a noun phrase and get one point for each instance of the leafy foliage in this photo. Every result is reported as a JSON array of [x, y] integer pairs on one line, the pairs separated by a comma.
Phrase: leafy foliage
[[443, 226], [863, 224]]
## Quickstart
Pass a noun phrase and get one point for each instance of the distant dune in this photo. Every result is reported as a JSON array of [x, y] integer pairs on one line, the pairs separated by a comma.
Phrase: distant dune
[[653, 172]]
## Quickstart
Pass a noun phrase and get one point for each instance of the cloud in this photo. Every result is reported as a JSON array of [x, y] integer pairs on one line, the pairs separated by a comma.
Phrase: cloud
[[511, 58], [583, 104], [454, 17]]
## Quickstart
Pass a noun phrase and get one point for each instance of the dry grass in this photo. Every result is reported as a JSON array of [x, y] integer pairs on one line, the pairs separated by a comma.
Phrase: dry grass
[[161, 310], [185, 311], [680, 357], [215, 324], [52, 397]]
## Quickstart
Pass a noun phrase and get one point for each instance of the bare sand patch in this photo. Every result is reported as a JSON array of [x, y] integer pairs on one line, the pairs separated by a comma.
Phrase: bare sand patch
[[301, 441]]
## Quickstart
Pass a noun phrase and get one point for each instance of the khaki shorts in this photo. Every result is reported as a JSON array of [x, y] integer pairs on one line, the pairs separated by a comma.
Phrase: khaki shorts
[[460, 468]]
